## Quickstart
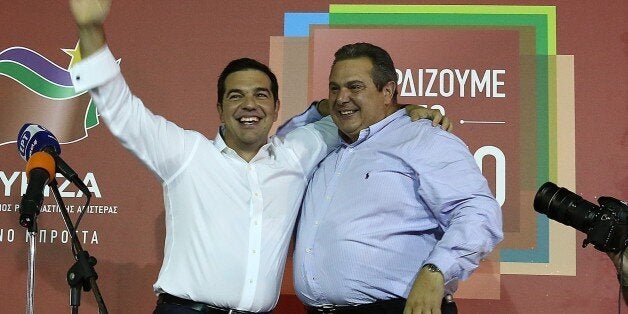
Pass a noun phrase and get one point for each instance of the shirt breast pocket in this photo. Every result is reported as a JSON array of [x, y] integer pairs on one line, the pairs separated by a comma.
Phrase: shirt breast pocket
[[391, 178]]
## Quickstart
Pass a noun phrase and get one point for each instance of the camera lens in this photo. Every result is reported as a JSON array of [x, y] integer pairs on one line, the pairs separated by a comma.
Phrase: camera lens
[[565, 206]]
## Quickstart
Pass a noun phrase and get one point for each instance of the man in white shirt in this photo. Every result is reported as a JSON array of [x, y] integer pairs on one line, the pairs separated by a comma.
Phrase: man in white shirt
[[231, 202]]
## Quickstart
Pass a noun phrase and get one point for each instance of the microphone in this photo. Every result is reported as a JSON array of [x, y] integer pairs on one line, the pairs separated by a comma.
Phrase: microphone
[[40, 170], [35, 138]]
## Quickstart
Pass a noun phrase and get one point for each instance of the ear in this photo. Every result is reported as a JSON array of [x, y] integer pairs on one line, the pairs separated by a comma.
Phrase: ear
[[276, 111], [219, 108], [389, 92]]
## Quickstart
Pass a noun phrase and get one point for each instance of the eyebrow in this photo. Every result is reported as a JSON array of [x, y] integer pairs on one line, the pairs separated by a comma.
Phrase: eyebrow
[[263, 89], [240, 91], [347, 83], [354, 82], [234, 90]]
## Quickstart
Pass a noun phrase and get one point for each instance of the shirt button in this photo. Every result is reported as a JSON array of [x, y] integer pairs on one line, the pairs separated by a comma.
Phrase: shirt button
[[316, 223], [308, 250], [250, 280], [254, 251], [256, 194]]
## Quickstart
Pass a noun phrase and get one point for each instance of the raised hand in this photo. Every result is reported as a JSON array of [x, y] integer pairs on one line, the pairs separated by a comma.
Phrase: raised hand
[[90, 16], [89, 13]]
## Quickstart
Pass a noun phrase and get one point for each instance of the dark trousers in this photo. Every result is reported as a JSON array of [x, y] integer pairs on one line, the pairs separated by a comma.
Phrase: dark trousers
[[395, 306], [169, 304], [167, 308]]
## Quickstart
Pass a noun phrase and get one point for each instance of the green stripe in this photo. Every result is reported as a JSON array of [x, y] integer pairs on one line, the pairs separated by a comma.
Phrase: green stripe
[[541, 33], [549, 13], [543, 120], [35, 82], [469, 9], [91, 117]]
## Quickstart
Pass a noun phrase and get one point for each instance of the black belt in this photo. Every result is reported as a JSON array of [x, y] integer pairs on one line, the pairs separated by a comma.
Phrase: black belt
[[200, 307], [388, 306], [375, 307]]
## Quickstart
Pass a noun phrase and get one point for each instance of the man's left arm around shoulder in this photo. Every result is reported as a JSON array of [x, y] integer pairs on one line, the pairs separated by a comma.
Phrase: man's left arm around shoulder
[[310, 115], [320, 109], [417, 112]]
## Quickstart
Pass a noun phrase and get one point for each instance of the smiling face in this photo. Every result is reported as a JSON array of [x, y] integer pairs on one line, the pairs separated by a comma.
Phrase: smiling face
[[247, 110], [356, 103]]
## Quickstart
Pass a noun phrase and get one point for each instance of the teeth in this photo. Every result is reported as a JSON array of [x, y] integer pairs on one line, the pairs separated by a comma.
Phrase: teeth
[[344, 112], [249, 119]]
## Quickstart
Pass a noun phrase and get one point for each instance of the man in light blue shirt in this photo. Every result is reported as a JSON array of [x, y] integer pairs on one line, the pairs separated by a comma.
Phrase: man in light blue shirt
[[397, 212]]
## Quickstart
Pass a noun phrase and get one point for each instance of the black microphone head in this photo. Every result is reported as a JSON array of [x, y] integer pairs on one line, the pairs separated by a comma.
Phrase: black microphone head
[[34, 138], [40, 170]]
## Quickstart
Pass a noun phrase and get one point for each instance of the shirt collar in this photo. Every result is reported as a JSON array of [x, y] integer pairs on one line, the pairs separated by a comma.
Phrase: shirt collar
[[219, 142], [374, 128]]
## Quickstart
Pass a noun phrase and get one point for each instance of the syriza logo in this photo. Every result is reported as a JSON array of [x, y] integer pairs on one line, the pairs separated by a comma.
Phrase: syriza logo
[[36, 90]]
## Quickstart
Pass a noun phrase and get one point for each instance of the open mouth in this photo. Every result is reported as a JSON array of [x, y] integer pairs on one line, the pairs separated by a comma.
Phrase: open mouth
[[249, 121], [346, 112]]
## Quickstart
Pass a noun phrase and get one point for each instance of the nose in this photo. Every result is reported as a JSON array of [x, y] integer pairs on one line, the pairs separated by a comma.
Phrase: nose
[[343, 96], [249, 103]]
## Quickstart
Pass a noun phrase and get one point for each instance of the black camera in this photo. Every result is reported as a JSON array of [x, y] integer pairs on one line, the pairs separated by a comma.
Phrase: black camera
[[606, 225]]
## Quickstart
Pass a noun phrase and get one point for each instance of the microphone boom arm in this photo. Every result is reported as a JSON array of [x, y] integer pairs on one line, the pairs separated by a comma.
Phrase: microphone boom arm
[[82, 274]]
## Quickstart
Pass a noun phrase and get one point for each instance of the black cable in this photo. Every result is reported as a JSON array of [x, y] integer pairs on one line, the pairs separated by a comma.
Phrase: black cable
[[620, 276]]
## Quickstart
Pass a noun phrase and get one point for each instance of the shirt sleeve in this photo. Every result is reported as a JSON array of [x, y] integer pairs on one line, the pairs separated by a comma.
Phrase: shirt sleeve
[[310, 115], [160, 144], [312, 142], [458, 195]]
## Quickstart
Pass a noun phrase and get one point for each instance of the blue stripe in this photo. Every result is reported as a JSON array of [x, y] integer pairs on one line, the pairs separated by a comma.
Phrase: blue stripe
[[296, 24]]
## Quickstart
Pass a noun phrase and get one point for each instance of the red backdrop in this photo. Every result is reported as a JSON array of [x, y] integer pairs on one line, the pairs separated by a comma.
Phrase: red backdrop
[[172, 53]]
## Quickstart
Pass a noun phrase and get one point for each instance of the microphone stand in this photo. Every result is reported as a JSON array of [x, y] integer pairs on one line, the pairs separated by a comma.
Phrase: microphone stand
[[82, 273], [30, 273]]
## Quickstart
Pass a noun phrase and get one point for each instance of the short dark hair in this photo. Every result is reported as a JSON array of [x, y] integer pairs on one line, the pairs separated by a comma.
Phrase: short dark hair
[[244, 64], [383, 66]]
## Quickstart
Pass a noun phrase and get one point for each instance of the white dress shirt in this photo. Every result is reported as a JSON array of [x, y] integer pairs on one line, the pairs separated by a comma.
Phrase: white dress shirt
[[228, 221]]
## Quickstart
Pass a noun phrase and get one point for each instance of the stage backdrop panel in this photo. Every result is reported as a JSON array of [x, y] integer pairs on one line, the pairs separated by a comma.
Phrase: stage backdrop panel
[[544, 99]]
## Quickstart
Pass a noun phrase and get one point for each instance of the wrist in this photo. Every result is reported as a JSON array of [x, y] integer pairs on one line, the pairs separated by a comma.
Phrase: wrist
[[433, 269], [89, 27]]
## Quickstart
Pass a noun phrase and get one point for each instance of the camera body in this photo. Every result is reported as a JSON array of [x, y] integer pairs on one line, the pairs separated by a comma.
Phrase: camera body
[[606, 226]]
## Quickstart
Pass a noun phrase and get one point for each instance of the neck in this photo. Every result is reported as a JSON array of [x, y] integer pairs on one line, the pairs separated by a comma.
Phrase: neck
[[246, 155], [393, 108], [247, 152], [390, 109], [348, 138]]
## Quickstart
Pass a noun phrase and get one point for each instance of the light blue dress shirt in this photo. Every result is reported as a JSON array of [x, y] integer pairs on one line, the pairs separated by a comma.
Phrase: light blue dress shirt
[[376, 210]]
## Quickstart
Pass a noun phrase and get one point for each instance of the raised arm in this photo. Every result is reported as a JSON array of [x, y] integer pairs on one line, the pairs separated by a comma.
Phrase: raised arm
[[159, 144], [89, 16]]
